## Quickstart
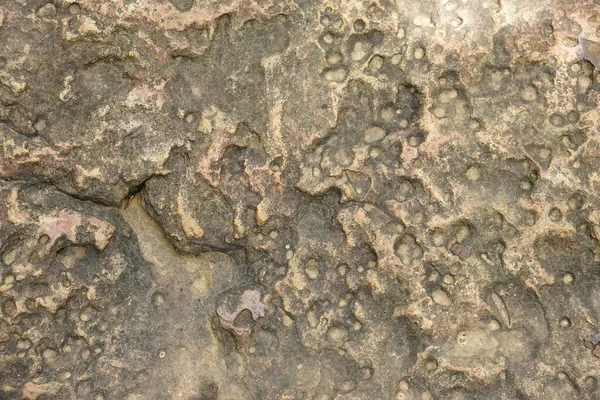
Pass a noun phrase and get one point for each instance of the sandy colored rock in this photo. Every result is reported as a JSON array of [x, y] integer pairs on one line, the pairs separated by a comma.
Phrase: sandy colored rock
[[297, 199]]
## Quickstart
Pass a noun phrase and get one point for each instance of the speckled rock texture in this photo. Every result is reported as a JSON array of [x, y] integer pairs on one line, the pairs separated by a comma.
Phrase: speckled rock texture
[[299, 199]]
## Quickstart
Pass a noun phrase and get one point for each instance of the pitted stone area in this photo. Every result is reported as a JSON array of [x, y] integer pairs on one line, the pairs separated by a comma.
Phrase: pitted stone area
[[299, 199]]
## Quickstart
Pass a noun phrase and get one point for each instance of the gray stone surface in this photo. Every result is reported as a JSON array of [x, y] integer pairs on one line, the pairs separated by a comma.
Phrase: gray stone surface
[[299, 199]]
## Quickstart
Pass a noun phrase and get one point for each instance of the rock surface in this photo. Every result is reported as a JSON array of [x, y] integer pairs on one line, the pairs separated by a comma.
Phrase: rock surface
[[299, 199]]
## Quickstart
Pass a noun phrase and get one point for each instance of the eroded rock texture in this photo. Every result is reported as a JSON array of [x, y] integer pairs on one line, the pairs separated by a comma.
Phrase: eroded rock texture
[[299, 199]]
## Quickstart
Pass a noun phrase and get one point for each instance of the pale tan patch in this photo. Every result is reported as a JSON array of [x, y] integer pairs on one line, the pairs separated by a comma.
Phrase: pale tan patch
[[190, 226], [59, 223], [32, 391]]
